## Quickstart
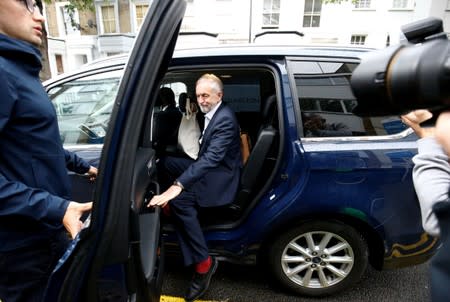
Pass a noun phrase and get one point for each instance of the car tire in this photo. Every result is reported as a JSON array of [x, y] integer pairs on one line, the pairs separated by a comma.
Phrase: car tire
[[318, 258]]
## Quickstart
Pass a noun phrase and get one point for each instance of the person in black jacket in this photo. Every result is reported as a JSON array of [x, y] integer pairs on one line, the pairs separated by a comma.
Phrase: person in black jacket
[[35, 204], [166, 121]]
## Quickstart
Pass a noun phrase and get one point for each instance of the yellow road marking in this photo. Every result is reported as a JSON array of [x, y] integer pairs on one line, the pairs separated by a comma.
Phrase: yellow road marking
[[171, 299], [178, 299]]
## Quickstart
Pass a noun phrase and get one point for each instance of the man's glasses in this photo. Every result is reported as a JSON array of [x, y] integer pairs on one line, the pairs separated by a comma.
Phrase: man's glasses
[[30, 4]]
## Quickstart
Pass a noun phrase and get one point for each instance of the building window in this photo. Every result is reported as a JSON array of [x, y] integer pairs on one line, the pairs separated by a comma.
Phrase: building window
[[70, 22], [271, 13], [108, 19], [59, 64], [80, 59], [362, 4], [311, 17], [141, 11], [448, 5], [358, 40], [401, 4], [67, 20]]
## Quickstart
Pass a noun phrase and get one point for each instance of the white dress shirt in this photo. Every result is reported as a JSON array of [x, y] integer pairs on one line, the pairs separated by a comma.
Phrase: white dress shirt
[[208, 118]]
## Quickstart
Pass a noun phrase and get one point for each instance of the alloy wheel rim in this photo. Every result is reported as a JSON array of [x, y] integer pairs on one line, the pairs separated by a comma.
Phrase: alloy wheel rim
[[317, 259]]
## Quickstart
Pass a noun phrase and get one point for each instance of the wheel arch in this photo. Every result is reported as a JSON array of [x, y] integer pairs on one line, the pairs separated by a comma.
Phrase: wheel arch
[[372, 238]]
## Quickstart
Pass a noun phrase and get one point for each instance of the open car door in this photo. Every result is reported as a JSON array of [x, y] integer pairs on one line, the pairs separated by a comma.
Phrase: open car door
[[118, 256]]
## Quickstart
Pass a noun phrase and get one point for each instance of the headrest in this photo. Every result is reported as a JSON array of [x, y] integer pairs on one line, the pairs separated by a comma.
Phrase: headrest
[[269, 108], [182, 101]]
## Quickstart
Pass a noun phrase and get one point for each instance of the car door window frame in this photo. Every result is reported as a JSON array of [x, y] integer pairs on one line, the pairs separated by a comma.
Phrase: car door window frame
[[291, 61]]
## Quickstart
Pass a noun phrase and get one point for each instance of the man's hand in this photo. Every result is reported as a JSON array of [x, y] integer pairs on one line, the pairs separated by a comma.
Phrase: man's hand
[[415, 118], [71, 219], [92, 173], [443, 131], [161, 200]]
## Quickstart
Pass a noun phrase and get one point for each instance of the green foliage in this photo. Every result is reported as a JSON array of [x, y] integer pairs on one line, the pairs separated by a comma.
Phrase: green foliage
[[81, 5]]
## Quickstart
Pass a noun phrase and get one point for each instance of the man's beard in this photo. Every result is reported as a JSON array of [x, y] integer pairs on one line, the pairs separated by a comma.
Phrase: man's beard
[[205, 109]]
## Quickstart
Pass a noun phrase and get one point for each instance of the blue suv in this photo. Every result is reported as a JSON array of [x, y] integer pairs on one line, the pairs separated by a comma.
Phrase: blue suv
[[323, 192]]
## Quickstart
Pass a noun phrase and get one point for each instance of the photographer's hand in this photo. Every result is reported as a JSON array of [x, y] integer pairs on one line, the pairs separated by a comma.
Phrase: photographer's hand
[[443, 131], [415, 118]]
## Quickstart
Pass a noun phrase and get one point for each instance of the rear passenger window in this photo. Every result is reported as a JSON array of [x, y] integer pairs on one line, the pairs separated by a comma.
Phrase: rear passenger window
[[326, 102]]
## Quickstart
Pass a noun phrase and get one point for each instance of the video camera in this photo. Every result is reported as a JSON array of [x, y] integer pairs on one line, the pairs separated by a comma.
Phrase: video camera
[[408, 76]]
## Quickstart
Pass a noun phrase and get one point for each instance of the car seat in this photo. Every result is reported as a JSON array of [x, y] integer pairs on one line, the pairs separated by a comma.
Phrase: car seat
[[251, 179]]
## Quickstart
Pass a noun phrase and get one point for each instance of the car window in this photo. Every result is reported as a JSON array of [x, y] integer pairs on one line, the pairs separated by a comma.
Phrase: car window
[[84, 105], [327, 101], [178, 89]]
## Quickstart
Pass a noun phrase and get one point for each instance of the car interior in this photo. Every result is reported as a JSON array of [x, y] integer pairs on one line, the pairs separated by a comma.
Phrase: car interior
[[251, 94]]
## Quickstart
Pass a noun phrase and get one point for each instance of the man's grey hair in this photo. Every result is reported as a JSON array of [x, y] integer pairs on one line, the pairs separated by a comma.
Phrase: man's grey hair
[[217, 84]]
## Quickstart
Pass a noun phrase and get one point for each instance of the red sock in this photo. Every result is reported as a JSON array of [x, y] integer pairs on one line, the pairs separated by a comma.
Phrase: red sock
[[203, 267], [166, 210]]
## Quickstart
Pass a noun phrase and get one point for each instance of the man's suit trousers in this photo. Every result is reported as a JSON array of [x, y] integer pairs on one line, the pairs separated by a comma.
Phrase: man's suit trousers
[[184, 210]]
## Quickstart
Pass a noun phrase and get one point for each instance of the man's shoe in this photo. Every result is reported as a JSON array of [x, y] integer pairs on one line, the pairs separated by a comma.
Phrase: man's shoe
[[200, 282]]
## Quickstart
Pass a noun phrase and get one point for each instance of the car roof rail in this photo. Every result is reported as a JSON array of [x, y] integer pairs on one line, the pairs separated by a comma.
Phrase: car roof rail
[[279, 32]]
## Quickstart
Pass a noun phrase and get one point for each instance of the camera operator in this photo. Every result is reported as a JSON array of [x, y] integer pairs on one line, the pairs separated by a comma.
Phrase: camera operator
[[431, 173], [440, 270], [431, 176], [442, 131], [415, 75]]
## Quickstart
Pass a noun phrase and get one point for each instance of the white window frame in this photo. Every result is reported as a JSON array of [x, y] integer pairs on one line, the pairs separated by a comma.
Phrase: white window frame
[[134, 22], [358, 39], [270, 11], [363, 4], [312, 15], [98, 9], [402, 5], [63, 20]]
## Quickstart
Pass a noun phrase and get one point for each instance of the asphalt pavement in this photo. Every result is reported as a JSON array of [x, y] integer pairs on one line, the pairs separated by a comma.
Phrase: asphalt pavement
[[234, 283]]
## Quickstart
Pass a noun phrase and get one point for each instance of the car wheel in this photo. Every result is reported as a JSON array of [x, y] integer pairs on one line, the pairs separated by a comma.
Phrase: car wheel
[[318, 258]]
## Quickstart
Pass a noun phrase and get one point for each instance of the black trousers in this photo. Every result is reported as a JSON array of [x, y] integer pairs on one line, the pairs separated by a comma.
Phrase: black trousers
[[184, 209], [24, 272]]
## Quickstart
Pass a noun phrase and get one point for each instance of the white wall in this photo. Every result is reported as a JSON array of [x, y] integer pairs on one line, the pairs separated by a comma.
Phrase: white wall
[[78, 47], [340, 21]]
